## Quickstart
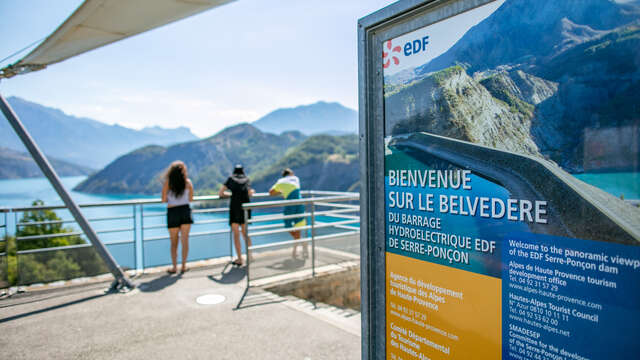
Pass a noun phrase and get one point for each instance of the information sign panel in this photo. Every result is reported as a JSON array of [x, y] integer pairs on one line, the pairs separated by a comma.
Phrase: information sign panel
[[511, 166]]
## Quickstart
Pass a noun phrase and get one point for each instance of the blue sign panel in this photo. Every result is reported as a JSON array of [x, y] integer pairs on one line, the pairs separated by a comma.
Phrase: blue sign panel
[[567, 298]]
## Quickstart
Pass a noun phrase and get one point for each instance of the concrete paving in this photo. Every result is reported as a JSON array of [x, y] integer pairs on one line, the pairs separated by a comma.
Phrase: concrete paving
[[161, 320]]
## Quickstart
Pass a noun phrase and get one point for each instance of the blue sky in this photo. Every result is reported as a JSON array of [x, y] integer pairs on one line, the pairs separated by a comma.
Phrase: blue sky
[[228, 65]]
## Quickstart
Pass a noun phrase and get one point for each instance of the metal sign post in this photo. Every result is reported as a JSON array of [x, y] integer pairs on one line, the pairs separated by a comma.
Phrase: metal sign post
[[121, 279], [488, 229]]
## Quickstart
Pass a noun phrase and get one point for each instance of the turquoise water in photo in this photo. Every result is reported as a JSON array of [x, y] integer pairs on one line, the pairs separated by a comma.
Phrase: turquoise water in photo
[[625, 184]]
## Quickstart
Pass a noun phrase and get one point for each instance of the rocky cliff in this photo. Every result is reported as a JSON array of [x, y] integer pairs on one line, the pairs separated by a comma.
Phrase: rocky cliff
[[451, 103]]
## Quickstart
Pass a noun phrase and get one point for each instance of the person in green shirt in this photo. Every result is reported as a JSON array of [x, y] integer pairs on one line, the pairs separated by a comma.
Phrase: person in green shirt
[[289, 187]]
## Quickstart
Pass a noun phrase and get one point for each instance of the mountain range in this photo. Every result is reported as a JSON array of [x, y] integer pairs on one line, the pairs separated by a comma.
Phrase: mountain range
[[82, 141], [209, 161], [324, 162], [319, 118], [16, 165], [548, 78]]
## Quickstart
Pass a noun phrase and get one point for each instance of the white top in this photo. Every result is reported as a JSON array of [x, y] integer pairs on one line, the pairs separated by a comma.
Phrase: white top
[[183, 199]]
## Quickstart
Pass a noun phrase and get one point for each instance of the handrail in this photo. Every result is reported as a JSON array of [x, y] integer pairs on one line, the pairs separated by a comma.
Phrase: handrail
[[345, 206], [278, 203], [51, 222], [49, 236], [196, 199], [58, 248], [302, 240], [306, 227], [327, 192], [263, 218]]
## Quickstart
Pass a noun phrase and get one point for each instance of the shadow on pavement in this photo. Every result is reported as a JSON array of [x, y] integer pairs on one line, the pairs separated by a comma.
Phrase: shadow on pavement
[[26, 298], [257, 297], [288, 264], [233, 276], [158, 284], [59, 306]]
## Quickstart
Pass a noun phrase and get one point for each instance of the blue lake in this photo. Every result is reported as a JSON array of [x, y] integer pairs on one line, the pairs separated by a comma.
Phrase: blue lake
[[22, 192]]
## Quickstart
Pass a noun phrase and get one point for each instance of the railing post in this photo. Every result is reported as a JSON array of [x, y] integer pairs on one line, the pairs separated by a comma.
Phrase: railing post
[[230, 244], [6, 249], [246, 244], [142, 235], [135, 238], [15, 243], [313, 239]]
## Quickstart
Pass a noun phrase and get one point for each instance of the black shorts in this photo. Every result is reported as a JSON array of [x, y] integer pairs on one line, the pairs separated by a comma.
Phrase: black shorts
[[236, 215], [178, 215]]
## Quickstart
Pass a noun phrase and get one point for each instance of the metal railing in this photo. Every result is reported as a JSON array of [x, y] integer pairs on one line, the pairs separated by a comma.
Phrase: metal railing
[[347, 223], [4, 258], [135, 233]]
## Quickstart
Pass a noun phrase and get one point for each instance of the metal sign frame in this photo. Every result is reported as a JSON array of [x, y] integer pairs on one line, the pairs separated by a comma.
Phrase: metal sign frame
[[397, 19]]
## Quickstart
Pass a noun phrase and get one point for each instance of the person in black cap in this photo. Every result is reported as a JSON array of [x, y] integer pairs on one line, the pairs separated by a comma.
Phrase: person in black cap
[[238, 185]]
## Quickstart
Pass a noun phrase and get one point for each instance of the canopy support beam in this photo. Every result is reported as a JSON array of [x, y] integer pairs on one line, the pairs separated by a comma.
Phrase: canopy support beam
[[121, 279]]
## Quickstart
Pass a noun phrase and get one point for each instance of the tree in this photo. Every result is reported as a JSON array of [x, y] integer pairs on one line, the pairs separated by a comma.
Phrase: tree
[[46, 222], [51, 265], [7, 261]]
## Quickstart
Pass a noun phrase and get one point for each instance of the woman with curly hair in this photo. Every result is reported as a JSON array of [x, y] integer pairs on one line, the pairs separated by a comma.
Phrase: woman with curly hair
[[177, 192]]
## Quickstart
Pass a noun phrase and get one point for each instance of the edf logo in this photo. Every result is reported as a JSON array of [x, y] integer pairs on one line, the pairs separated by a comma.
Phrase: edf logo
[[415, 46], [409, 48]]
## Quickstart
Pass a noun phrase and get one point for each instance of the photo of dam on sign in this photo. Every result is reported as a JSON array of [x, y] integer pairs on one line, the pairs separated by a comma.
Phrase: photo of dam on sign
[[512, 179]]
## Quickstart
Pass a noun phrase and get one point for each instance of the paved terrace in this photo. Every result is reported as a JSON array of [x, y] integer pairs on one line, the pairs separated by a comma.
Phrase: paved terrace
[[162, 320]]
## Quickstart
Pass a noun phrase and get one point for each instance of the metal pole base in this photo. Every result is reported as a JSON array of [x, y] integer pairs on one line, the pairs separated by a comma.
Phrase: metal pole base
[[121, 285]]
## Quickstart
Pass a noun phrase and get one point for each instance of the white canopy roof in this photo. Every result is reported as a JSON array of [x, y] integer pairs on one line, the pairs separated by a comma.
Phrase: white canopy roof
[[100, 22]]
